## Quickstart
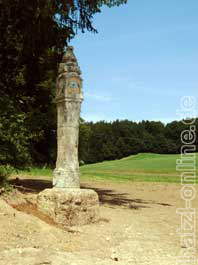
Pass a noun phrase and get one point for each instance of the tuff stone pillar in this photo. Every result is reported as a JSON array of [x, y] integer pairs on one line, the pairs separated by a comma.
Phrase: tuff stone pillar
[[66, 203], [68, 99]]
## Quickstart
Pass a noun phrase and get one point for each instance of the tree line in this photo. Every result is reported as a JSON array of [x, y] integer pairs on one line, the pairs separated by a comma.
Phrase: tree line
[[114, 140], [98, 141]]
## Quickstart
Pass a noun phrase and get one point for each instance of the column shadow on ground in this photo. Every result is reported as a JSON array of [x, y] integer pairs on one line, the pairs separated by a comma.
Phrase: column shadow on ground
[[106, 196]]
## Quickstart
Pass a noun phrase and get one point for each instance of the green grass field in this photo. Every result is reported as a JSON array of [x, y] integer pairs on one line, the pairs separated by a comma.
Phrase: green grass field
[[141, 167]]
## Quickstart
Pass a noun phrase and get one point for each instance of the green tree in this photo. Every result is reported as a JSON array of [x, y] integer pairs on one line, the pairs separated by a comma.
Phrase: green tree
[[33, 35], [85, 133]]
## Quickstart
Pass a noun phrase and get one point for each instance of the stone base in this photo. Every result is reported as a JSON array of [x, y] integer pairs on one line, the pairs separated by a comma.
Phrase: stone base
[[69, 207]]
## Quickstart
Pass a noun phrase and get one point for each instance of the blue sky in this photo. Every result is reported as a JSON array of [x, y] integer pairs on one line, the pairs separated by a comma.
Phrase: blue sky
[[142, 62]]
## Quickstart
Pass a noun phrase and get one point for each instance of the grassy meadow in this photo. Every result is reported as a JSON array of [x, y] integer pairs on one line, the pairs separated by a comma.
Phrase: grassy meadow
[[141, 167]]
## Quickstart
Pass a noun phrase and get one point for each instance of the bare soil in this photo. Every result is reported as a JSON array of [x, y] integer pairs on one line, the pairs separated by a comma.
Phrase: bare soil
[[138, 224]]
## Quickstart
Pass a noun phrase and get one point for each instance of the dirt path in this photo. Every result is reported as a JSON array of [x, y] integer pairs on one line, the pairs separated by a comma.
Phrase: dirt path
[[137, 226]]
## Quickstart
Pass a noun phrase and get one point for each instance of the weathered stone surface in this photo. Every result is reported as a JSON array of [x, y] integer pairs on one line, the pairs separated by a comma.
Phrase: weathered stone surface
[[66, 204], [68, 99], [69, 207]]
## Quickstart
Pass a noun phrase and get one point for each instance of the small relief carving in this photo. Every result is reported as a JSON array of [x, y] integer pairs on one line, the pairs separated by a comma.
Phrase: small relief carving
[[73, 87], [63, 68], [60, 85]]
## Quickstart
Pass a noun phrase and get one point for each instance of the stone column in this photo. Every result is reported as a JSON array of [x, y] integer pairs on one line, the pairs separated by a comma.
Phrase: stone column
[[68, 99], [67, 204]]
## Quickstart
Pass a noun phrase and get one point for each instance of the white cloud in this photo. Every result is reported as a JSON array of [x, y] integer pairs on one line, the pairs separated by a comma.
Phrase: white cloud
[[166, 120], [97, 97], [94, 117]]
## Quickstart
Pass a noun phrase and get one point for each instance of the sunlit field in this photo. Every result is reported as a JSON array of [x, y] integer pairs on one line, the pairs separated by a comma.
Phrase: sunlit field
[[141, 167]]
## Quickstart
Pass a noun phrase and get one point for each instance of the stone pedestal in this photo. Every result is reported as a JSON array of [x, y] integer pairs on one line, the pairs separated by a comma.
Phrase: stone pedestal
[[69, 207]]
